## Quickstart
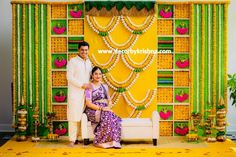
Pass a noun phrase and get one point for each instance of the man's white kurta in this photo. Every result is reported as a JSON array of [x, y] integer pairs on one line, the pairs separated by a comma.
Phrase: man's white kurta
[[78, 73]]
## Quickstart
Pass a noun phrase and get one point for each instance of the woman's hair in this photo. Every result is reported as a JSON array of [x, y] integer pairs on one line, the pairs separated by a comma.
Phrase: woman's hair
[[93, 71]]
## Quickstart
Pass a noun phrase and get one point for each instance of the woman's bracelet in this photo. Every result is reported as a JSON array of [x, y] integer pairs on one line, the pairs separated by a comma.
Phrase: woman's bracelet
[[100, 108]]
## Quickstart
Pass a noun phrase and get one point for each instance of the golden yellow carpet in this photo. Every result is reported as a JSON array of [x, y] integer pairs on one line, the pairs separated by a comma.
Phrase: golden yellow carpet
[[46, 149]]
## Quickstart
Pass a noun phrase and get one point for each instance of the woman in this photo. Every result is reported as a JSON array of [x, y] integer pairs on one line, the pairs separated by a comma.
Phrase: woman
[[107, 126]]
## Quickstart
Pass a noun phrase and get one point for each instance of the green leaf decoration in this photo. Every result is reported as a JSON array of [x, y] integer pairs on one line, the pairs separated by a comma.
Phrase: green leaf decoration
[[119, 5], [104, 71], [220, 107], [121, 90], [60, 93], [140, 108], [220, 133], [137, 70], [137, 32], [103, 34], [232, 88]]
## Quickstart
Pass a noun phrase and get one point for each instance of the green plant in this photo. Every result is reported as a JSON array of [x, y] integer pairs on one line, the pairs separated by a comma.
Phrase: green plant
[[232, 87]]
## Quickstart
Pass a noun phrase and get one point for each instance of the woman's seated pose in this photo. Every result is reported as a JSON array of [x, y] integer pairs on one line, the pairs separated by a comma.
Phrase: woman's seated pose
[[107, 125]]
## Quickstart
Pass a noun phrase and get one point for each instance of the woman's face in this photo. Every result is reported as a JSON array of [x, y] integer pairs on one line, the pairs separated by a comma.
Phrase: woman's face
[[97, 75]]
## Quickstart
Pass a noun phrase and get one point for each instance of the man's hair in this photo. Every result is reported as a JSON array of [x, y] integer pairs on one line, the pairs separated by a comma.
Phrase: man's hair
[[84, 43]]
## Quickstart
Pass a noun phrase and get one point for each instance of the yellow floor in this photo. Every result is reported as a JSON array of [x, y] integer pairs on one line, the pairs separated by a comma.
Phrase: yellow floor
[[45, 149]]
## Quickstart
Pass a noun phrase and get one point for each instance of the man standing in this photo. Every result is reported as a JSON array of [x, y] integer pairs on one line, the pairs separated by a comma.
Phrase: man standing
[[78, 74]]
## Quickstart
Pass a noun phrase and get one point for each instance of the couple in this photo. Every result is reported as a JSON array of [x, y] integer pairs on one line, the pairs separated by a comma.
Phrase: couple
[[84, 85]]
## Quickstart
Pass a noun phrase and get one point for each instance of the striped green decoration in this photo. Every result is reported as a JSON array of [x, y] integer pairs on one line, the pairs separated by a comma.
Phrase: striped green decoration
[[30, 41], [42, 29], [208, 61]]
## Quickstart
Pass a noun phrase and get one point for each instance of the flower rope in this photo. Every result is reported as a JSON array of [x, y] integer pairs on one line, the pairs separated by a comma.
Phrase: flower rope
[[142, 104], [101, 30], [110, 43], [131, 64], [109, 65], [137, 29]]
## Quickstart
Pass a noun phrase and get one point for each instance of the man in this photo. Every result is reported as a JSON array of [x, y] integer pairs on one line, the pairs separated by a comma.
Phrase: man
[[78, 74]]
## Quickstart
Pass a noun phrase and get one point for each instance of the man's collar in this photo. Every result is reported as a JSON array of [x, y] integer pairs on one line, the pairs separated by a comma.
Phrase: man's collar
[[82, 58]]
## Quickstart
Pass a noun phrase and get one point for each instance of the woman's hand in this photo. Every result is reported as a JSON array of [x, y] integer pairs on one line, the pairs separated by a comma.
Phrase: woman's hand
[[107, 109], [110, 104]]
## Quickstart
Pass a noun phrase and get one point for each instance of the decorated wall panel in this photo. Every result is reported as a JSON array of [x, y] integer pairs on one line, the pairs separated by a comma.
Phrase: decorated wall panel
[[187, 74]]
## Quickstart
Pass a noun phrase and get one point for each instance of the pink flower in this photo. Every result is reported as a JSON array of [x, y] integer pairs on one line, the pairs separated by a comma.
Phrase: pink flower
[[182, 30], [181, 98], [165, 14], [61, 131], [60, 63], [76, 14], [58, 98], [164, 114], [182, 64], [181, 131], [58, 30]]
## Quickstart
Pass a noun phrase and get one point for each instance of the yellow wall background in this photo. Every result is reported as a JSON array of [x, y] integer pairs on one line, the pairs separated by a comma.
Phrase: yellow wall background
[[146, 80]]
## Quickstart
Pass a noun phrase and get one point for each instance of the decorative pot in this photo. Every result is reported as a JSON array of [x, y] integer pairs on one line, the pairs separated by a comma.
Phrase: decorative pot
[[221, 138], [21, 138]]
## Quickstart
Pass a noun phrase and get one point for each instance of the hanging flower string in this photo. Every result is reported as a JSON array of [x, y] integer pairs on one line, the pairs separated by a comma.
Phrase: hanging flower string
[[143, 104], [109, 65], [131, 64], [114, 98], [110, 43], [137, 29], [101, 30], [120, 86]]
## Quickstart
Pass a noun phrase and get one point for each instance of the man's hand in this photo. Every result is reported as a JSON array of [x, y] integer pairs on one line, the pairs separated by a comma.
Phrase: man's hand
[[87, 86]]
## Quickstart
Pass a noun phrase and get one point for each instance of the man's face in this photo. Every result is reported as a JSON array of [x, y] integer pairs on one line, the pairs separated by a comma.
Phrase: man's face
[[83, 52]]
